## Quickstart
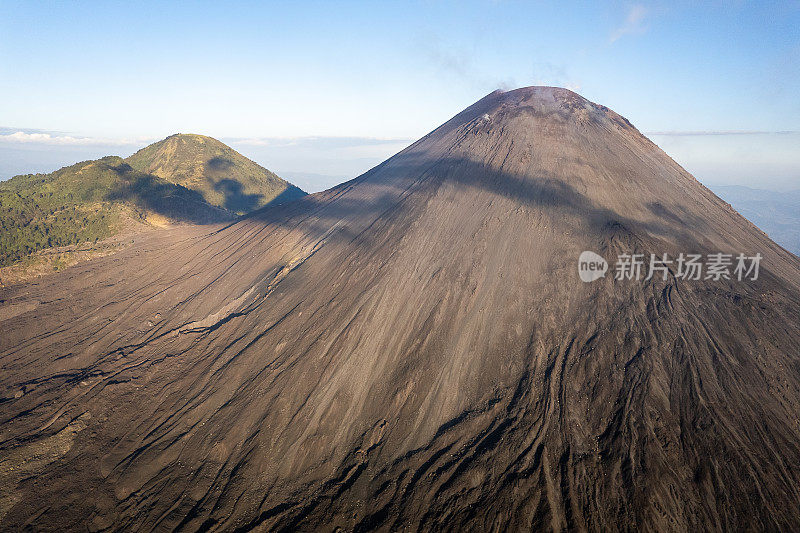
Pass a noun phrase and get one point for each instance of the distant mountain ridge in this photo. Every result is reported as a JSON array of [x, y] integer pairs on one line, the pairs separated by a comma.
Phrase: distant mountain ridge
[[777, 213], [224, 177]]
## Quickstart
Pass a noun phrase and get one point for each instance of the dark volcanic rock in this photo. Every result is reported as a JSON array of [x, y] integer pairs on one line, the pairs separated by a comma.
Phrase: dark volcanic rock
[[414, 350]]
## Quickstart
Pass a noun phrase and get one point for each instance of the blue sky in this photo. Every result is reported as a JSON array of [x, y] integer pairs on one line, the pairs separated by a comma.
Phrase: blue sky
[[712, 84]]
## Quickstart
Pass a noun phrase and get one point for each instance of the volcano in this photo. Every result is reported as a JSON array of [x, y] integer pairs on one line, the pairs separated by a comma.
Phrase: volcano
[[414, 349]]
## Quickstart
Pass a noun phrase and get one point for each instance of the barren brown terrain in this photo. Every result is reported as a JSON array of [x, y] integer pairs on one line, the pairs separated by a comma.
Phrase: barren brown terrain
[[414, 350]]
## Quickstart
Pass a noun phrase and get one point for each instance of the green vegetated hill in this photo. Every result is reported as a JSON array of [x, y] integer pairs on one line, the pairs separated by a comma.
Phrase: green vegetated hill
[[224, 177], [183, 178], [89, 201]]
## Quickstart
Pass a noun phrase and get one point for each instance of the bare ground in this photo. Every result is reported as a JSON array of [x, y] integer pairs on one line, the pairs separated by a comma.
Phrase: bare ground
[[414, 350]]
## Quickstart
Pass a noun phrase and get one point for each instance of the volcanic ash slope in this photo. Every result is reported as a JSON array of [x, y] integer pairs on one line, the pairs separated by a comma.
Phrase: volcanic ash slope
[[414, 349]]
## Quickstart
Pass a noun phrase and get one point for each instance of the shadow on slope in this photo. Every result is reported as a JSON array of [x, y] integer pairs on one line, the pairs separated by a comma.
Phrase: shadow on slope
[[172, 201], [236, 200], [658, 217], [355, 229]]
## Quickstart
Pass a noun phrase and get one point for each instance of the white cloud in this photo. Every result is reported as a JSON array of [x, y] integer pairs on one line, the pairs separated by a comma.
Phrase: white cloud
[[758, 159], [65, 140], [634, 23]]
